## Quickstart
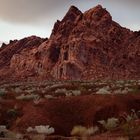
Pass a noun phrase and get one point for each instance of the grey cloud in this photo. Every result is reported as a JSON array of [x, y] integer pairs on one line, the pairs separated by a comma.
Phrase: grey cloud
[[29, 10], [48, 11]]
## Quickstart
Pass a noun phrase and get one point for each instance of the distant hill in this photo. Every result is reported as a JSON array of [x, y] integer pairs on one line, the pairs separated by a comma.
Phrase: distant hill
[[87, 46]]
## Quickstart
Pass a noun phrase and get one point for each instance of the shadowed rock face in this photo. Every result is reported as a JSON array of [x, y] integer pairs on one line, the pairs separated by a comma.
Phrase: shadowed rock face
[[82, 46]]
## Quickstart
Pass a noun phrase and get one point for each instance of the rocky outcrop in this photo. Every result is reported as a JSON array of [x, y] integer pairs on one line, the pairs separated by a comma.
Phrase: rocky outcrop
[[87, 45], [0, 43], [11, 56]]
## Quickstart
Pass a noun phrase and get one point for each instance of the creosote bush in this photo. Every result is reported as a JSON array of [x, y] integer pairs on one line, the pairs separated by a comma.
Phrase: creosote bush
[[83, 131], [110, 124], [42, 129]]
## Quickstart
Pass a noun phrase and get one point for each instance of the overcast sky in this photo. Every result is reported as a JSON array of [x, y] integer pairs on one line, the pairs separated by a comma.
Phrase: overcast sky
[[22, 18]]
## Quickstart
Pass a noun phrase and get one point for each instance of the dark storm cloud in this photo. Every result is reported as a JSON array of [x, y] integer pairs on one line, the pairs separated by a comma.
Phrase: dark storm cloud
[[29, 10], [21, 18]]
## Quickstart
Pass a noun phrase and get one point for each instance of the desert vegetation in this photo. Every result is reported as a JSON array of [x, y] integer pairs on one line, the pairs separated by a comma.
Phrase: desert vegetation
[[32, 90], [62, 109]]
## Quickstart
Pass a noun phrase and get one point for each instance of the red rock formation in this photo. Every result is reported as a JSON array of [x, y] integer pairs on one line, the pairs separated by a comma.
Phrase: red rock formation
[[11, 55], [86, 45]]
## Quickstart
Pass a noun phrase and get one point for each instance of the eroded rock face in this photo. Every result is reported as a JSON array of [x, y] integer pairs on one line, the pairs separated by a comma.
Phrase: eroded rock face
[[82, 46], [13, 57]]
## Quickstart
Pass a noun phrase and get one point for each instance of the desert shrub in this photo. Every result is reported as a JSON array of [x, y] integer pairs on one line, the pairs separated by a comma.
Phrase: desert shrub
[[104, 90], [131, 126], [27, 97], [19, 136], [110, 124], [17, 90], [78, 131], [2, 92], [30, 129], [41, 129], [30, 90], [83, 131], [118, 91], [37, 100], [3, 128], [68, 94], [133, 116], [120, 82], [49, 96], [125, 91], [5, 133], [73, 93], [61, 90], [92, 130], [76, 92]]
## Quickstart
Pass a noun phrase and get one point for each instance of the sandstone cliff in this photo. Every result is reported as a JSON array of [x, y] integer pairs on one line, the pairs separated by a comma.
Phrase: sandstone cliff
[[87, 45]]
